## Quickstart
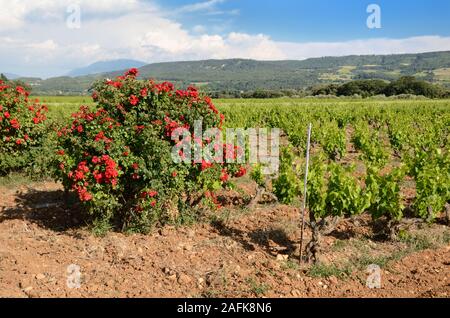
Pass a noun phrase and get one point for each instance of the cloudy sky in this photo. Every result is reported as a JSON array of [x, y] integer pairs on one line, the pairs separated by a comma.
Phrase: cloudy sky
[[50, 37]]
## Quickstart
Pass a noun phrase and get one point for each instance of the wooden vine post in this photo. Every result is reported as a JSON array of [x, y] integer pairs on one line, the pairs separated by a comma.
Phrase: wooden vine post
[[308, 145]]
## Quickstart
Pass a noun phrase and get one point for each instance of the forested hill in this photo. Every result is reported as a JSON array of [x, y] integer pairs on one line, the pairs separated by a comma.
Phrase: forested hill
[[247, 75]]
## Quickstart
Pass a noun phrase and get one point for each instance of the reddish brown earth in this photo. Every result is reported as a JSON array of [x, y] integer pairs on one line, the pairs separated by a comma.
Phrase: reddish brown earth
[[241, 253]]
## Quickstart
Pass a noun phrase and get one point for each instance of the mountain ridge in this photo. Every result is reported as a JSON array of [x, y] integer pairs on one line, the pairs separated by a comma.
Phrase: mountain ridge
[[247, 74], [105, 67]]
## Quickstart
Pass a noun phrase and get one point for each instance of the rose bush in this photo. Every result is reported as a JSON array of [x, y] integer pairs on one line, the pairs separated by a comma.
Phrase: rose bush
[[21, 127], [117, 157]]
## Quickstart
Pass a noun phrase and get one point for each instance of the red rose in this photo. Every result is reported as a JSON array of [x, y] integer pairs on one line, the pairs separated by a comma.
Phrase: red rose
[[134, 100], [117, 84], [206, 165], [20, 90], [224, 177], [152, 194], [100, 136], [242, 171], [132, 72], [14, 123]]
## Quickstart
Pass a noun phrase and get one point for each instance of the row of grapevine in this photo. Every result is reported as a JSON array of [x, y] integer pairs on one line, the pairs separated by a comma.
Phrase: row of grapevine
[[394, 144]]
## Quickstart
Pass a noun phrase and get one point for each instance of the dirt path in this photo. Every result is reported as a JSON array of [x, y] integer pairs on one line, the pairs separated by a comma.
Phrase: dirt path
[[242, 253]]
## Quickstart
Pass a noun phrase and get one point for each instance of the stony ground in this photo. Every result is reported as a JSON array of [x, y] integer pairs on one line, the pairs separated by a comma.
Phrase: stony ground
[[237, 253]]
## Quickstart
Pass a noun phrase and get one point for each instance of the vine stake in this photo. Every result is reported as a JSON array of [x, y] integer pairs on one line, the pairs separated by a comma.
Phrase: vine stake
[[308, 144]]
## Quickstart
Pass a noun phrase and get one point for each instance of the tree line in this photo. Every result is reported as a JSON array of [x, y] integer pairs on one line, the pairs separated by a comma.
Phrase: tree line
[[364, 88]]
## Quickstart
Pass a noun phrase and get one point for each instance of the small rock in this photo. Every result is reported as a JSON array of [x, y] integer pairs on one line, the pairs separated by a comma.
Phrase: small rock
[[187, 247], [273, 265], [200, 281], [286, 280], [320, 283], [168, 271], [172, 277], [94, 288], [40, 276], [333, 280], [164, 232], [295, 293], [184, 279], [281, 257], [27, 289]]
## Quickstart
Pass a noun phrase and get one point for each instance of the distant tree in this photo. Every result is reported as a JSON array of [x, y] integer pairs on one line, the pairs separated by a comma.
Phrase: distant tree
[[365, 88], [330, 89], [411, 85], [3, 77]]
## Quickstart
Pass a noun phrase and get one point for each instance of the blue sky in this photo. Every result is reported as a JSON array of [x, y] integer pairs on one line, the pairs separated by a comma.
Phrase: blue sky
[[39, 38], [324, 20]]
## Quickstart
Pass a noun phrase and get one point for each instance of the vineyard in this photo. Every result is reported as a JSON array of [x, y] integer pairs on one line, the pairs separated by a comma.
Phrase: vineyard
[[378, 192]]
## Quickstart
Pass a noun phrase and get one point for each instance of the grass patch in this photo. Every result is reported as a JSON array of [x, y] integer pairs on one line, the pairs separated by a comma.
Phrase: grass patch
[[291, 264], [363, 261], [446, 237], [338, 245], [15, 179], [226, 215], [417, 242], [259, 289], [328, 270], [100, 227]]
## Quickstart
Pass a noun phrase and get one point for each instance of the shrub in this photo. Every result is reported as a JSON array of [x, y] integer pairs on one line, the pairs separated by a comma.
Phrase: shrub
[[118, 156], [21, 128]]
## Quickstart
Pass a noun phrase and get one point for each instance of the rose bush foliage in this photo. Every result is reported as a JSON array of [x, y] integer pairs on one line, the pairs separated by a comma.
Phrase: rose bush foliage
[[117, 156], [22, 127]]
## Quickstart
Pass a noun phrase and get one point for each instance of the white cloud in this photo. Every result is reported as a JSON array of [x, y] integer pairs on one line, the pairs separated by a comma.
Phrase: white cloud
[[201, 6], [34, 38], [16, 14], [418, 44], [199, 29]]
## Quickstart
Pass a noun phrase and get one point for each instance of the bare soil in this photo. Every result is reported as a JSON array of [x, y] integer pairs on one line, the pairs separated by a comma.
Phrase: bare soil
[[235, 253]]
